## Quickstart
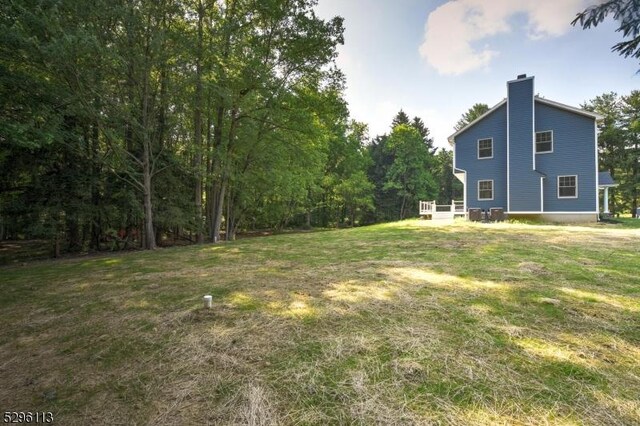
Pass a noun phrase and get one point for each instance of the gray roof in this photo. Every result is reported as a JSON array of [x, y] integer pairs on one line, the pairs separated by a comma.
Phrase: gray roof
[[605, 179]]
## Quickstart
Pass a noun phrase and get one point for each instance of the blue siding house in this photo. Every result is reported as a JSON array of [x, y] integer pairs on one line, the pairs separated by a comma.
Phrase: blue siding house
[[531, 157]]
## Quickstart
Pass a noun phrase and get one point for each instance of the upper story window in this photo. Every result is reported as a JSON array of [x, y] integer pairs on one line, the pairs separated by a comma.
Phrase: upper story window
[[485, 190], [568, 186], [544, 142], [485, 148]]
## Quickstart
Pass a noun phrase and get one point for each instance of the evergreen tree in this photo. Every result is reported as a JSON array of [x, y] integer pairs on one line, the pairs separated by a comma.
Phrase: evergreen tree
[[618, 150], [473, 113], [449, 187], [626, 13], [400, 118], [631, 162], [409, 174], [419, 125], [611, 141], [385, 199]]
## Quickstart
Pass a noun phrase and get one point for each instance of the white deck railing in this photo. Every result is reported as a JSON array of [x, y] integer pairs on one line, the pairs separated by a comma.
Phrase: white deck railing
[[429, 207]]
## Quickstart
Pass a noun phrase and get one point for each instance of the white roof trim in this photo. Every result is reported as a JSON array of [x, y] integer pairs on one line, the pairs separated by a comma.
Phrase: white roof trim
[[495, 107], [569, 108]]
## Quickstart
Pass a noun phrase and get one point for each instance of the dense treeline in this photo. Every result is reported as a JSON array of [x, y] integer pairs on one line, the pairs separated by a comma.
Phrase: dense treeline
[[619, 146], [133, 122], [406, 168]]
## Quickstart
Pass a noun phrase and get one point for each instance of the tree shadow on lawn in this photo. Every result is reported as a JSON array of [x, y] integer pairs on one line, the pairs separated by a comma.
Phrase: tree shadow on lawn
[[451, 345], [444, 325]]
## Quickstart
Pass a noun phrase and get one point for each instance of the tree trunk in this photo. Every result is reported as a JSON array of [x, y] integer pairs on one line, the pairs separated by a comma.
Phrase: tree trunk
[[217, 188], [57, 236], [209, 185], [56, 246], [635, 182], [218, 204], [197, 121], [229, 218], [158, 236], [95, 228], [150, 236], [73, 232]]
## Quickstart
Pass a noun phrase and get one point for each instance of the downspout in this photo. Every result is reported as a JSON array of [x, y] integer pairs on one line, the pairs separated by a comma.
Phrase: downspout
[[464, 193], [595, 133], [542, 193], [508, 157]]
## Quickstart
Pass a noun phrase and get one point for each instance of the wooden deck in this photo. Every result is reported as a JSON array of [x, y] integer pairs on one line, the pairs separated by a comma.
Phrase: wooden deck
[[431, 210]]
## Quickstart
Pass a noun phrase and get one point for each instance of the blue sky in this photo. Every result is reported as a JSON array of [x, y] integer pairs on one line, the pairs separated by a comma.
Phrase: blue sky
[[435, 59]]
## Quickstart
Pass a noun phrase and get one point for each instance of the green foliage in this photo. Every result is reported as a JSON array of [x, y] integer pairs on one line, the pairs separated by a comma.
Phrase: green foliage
[[626, 13], [409, 173], [151, 119], [474, 112], [619, 146], [449, 187], [347, 192], [402, 169]]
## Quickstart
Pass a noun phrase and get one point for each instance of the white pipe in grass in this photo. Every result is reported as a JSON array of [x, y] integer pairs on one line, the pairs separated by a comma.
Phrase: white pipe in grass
[[207, 301]]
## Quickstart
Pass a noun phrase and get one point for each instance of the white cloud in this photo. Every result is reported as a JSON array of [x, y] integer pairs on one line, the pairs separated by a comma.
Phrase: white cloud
[[453, 30]]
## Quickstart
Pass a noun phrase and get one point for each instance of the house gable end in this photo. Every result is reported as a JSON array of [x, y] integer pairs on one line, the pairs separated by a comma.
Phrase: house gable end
[[495, 108], [493, 126]]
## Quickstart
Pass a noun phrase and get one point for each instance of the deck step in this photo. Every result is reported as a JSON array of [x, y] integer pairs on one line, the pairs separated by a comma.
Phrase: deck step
[[442, 215]]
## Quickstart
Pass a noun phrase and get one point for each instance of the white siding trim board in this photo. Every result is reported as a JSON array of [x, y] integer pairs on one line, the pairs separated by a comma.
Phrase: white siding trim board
[[508, 159], [569, 108], [533, 123], [542, 193], [595, 137]]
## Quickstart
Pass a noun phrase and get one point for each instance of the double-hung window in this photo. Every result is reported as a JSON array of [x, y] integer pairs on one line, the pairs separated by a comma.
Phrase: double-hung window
[[544, 142], [485, 190], [568, 186], [485, 148]]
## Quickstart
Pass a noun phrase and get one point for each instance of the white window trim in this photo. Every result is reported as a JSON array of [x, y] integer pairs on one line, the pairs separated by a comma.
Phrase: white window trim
[[478, 148], [536, 143], [492, 190], [558, 186]]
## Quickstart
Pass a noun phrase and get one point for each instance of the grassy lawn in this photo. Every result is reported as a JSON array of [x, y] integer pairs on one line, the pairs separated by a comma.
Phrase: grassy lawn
[[400, 323]]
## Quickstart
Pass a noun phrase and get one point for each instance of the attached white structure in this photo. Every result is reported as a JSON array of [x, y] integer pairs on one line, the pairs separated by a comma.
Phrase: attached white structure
[[605, 181], [431, 210]]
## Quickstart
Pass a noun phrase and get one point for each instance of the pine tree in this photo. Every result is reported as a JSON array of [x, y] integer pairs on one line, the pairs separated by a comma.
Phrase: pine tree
[[473, 113], [626, 13]]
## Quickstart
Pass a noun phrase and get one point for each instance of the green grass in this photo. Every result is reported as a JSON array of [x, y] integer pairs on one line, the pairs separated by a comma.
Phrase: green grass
[[396, 323], [23, 251], [626, 222]]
